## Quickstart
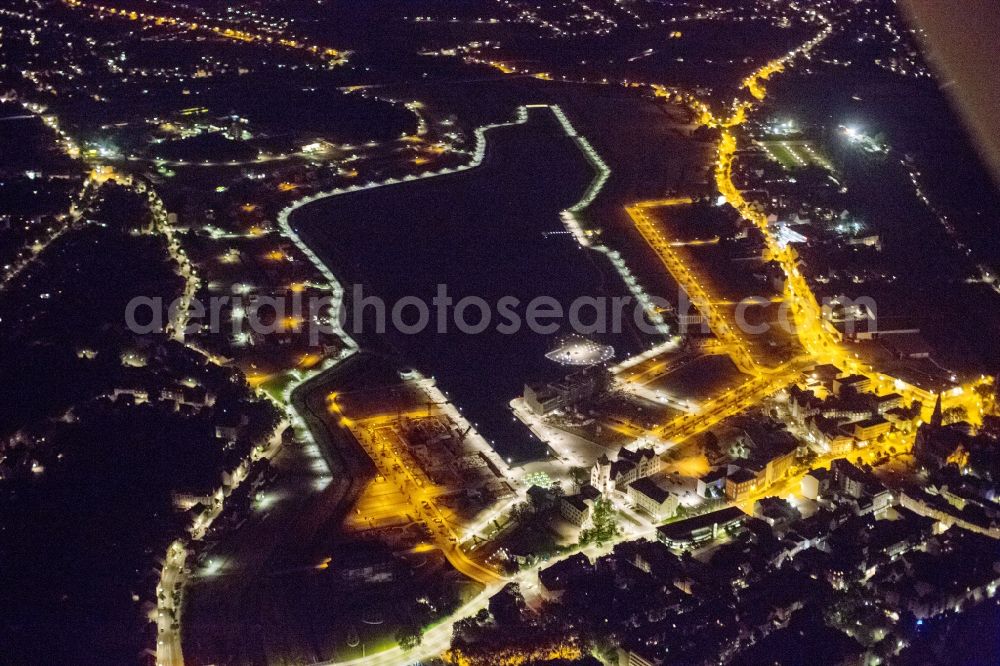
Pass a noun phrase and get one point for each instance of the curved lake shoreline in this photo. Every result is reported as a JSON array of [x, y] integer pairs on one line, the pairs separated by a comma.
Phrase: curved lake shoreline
[[491, 241]]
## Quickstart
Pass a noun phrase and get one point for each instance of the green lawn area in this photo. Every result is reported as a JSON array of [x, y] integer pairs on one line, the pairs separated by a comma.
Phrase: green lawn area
[[796, 154], [784, 156], [275, 386]]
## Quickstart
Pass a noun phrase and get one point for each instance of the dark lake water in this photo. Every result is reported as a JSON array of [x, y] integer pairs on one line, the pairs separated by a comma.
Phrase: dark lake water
[[482, 233]]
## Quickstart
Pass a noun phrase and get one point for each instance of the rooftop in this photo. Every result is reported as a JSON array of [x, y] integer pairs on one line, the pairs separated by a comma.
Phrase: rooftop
[[648, 488]]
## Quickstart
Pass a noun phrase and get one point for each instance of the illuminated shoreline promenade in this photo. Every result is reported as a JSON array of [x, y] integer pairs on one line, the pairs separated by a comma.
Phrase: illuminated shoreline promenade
[[569, 216], [437, 638], [336, 289]]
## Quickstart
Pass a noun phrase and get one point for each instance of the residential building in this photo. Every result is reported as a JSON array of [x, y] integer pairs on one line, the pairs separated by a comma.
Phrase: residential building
[[869, 429], [712, 484], [656, 502], [855, 383], [575, 508], [883, 403], [815, 483], [776, 512], [555, 579], [740, 485], [629, 466], [802, 403], [824, 375], [830, 435], [849, 479]]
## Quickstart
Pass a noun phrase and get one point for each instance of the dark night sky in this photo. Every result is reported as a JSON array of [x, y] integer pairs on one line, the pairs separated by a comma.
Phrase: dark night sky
[[963, 36]]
